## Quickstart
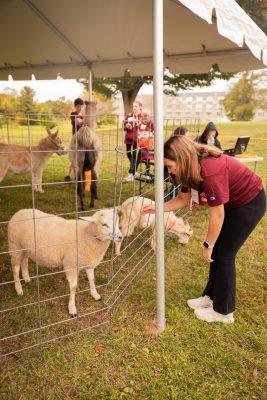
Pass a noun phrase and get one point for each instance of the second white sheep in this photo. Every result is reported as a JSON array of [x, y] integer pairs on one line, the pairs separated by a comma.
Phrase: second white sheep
[[130, 219]]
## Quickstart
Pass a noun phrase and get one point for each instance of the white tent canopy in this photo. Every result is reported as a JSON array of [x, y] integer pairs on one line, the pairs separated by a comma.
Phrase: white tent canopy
[[46, 37]]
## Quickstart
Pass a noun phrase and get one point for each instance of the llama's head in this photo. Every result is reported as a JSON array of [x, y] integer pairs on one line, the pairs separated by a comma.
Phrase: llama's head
[[90, 114], [53, 142]]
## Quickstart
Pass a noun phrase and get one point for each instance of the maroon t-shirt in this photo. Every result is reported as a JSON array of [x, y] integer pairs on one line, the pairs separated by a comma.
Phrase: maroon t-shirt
[[227, 181], [131, 134], [73, 117]]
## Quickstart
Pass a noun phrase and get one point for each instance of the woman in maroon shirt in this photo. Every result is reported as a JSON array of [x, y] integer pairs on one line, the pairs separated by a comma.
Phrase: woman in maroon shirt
[[236, 201]]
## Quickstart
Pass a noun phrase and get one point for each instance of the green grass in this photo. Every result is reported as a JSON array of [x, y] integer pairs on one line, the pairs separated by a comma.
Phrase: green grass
[[189, 360]]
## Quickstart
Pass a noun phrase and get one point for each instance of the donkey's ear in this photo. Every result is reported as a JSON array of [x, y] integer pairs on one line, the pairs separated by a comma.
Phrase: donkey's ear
[[56, 133], [48, 131]]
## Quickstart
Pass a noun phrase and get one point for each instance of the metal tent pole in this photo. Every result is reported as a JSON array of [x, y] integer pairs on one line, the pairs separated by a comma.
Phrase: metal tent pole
[[90, 94], [159, 165]]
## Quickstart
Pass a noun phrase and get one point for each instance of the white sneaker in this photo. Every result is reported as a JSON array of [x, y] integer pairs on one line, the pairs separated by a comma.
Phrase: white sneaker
[[129, 178], [201, 302], [209, 315]]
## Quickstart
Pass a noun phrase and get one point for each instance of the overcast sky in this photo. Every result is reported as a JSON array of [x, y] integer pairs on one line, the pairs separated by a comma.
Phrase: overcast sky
[[70, 88]]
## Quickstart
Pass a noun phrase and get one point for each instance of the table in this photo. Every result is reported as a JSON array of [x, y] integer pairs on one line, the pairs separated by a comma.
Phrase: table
[[254, 159]]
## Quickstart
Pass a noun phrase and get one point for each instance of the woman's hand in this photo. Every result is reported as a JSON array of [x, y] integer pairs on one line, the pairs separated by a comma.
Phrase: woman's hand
[[207, 254], [148, 209]]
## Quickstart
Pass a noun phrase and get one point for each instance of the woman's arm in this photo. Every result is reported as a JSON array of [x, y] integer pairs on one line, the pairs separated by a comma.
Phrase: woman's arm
[[178, 202], [214, 228]]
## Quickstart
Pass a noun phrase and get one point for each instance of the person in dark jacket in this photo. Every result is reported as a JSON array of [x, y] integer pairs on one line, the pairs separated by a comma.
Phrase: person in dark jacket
[[209, 136]]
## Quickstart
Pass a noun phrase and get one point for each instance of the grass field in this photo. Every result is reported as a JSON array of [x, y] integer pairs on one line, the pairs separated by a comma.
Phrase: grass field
[[190, 360]]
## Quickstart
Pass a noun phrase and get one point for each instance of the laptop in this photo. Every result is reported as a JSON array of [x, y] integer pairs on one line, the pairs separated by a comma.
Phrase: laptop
[[240, 146]]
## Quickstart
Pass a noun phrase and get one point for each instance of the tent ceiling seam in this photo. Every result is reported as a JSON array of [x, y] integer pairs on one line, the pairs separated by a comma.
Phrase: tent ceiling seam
[[202, 55]]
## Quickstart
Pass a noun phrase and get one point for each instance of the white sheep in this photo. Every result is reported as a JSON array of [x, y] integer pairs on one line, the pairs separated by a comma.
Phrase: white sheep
[[53, 241], [130, 219]]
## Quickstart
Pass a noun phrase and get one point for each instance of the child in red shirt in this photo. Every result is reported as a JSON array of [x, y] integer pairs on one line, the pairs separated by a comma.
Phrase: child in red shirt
[[146, 142]]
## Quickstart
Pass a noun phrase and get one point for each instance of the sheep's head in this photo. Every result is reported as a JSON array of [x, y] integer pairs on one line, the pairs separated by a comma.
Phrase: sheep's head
[[108, 224], [179, 228]]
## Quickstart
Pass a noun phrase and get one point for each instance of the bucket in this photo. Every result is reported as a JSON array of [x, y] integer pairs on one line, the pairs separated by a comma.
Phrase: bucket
[[87, 184]]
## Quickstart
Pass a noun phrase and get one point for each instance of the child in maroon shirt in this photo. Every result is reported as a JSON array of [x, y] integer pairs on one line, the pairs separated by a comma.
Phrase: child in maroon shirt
[[131, 125], [237, 202]]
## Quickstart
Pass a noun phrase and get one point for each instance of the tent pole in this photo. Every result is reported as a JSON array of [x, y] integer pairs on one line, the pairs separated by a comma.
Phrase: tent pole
[[90, 94], [159, 165]]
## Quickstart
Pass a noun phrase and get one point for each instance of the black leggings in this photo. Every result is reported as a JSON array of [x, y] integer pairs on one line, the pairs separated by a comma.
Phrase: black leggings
[[133, 156], [237, 226]]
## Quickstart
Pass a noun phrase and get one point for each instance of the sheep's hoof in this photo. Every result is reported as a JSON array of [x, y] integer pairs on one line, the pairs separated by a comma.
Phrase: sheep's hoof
[[28, 279], [19, 292], [73, 315], [97, 297]]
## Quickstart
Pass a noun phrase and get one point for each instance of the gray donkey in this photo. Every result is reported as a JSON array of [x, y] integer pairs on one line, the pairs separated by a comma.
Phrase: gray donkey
[[87, 155]]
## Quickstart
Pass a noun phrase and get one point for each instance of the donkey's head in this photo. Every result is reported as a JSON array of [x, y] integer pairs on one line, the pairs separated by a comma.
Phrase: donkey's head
[[55, 142]]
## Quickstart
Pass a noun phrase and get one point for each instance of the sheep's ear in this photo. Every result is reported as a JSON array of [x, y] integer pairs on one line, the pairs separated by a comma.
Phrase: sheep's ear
[[118, 210], [169, 224], [187, 224], [93, 228]]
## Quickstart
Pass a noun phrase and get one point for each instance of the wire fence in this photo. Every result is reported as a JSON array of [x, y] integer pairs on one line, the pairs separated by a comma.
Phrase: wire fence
[[47, 241]]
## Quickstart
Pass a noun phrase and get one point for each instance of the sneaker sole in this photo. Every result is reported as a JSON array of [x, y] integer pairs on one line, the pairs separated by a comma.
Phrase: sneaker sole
[[224, 321]]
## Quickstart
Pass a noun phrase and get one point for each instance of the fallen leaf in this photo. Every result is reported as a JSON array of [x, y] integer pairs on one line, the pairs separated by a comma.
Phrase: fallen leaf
[[254, 373], [99, 348]]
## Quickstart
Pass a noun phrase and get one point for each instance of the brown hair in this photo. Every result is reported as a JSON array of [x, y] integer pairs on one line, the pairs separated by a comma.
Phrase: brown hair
[[181, 130], [186, 154]]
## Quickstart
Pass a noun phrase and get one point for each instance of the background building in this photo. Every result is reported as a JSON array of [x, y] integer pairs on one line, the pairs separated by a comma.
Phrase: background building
[[204, 105]]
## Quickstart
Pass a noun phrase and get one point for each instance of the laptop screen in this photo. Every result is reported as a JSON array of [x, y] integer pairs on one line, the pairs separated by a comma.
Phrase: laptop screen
[[241, 144]]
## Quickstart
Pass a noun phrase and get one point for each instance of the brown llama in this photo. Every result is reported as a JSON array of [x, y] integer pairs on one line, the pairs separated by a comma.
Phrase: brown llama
[[87, 155]]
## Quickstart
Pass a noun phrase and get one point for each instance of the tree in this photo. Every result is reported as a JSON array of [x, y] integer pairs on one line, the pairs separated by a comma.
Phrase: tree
[[62, 106], [240, 103], [7, 103], [129, 86], [257, 10], [26, 104], [261, 96]]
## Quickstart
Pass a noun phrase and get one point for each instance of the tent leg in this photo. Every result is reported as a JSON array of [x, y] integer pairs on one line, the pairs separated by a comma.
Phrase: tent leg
[[159, 165], [90, 94]]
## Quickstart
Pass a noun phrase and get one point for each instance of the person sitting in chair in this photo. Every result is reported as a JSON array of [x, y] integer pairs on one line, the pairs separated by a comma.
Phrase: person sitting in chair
[[209, 136]]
